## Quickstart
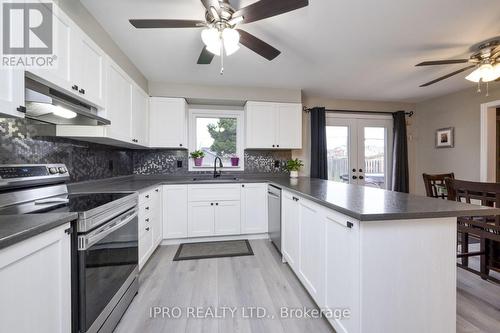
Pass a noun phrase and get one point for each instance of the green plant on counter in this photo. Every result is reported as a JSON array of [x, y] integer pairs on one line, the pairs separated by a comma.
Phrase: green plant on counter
[[197, 154], [294, 165]]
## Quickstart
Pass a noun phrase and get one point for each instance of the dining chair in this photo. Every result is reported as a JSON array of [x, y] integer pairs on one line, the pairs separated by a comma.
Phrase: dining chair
[[435, 186], [485, 228]]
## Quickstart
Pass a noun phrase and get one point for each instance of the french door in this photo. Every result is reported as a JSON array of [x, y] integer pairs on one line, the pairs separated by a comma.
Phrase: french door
[[359, 149]]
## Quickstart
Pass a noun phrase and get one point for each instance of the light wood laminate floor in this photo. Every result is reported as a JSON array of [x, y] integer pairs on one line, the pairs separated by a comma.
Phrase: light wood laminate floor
[[261, 280]]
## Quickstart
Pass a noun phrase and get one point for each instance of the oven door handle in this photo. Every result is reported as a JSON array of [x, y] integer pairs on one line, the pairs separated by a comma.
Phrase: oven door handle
[[86, 241]]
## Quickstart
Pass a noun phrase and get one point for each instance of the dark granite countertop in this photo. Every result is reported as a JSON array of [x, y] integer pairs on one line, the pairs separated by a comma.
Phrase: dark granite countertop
[[16, 228], [359, 202]]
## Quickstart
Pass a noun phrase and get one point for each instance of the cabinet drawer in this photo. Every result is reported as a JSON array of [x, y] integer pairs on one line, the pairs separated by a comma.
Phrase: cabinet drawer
[[214, 192], [146, 209]]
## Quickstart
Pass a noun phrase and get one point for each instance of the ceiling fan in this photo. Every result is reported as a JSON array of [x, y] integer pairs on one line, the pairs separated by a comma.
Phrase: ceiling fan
[[220, 34], [485, 59]]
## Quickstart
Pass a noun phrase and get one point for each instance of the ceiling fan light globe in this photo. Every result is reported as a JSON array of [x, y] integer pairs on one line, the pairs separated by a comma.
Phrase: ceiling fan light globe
[[214, 48], [231, 49], [475, 76], [231, 38], [210, 36]]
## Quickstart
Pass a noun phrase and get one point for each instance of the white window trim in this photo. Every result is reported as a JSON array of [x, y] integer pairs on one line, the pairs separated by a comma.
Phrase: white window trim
[[240, 144]]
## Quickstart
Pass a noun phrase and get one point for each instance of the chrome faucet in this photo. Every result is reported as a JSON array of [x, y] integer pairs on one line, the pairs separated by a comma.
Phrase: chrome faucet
[[217, 173]]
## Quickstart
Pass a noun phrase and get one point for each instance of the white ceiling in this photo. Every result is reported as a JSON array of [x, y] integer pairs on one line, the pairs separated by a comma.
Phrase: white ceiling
[[356, 49]]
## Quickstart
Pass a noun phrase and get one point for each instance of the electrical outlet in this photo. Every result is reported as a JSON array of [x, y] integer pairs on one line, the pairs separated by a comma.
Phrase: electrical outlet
[[179, 164], [277, 164]]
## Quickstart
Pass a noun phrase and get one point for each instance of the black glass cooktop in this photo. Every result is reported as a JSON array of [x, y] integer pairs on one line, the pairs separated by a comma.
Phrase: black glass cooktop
[[78, 203], [86, 202]]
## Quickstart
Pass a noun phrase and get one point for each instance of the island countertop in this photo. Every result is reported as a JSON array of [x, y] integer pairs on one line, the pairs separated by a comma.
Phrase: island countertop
[[359, 202]]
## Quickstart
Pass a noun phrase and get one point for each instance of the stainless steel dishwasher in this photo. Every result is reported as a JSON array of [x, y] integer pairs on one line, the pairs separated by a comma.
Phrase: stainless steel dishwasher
[[274, 215]]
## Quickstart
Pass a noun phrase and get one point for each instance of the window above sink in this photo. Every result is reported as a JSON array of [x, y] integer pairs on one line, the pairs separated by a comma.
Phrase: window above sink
[[216, 133]]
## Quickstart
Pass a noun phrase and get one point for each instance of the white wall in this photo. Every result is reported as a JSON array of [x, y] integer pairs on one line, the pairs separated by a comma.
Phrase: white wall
[[81, 16], [462, 111]]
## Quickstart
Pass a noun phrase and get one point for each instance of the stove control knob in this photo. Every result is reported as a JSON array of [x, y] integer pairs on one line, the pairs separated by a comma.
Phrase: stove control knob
[[62, 170], [53, 171]]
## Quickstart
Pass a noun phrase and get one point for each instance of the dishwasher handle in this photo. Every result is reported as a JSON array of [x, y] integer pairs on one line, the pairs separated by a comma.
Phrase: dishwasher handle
[[271, 194]]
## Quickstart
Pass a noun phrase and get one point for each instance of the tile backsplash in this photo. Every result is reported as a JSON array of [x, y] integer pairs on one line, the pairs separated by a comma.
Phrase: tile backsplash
[[22, 142]]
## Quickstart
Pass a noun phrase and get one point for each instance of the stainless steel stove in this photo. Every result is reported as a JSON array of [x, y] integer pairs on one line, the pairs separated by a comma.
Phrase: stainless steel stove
[[105, 244]]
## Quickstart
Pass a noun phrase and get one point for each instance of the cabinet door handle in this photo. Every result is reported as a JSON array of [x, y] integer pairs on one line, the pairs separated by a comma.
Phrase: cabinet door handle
[[353, 170], [21, 109], [211, 204], [147, 196], [216, 203], [147, 229], [147, 220], [157, 190], [147, 208], [361, 177], [295, 199], [74, 87], [180, 144], [278, 146], [273, 145], [354, 177], [82, 91], [242, 185]]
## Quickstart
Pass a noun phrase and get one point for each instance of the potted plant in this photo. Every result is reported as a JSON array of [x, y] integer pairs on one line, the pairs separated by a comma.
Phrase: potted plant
[[294, 166], [235, 160], [197, 155]]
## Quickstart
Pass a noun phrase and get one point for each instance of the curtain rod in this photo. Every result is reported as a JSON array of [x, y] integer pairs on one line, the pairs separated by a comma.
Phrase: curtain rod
[[409, 114]]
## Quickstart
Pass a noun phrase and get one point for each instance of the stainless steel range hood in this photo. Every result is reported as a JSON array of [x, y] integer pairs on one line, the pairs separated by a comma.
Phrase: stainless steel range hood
[[51, 106]]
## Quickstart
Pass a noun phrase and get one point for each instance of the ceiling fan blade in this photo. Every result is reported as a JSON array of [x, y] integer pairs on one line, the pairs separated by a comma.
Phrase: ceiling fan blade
[[258, 46], [206, 57], [447, 76], [268, 8], [443, 62], [152, 24], [210, 3]]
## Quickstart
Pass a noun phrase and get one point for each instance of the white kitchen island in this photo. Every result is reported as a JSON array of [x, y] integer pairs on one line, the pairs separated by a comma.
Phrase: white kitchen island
[[391, 269]]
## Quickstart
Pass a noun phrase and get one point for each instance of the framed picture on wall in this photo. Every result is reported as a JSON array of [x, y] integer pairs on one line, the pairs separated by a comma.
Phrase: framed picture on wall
[[445, 137]]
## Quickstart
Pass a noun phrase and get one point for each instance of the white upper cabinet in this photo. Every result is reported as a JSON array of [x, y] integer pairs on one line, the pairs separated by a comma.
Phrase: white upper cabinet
[[168, 122], [119, 104], [140, 116], [273, 125], [88, 66], [11, 92], [61, 74], [289, 126], [80, 65]]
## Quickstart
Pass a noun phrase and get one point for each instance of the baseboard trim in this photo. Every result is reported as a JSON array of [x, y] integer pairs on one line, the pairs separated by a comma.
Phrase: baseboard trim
[[177, 241]]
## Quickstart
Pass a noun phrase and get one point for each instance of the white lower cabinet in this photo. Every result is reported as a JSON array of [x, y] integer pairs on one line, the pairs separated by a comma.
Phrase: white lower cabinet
[[150, 223], [35, 284], [253, 208], [227, 218], [312, 249], [201, 219], [342, 275], [175, 211], [290, 229], [322, 248]]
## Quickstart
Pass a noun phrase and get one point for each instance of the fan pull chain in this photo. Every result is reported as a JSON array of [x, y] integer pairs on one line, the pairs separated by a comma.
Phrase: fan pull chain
[[221, 58], [487, 89], [479, 86]]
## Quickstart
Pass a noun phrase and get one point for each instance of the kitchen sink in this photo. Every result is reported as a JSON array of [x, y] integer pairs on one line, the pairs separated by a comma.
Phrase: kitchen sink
[[217, 180]]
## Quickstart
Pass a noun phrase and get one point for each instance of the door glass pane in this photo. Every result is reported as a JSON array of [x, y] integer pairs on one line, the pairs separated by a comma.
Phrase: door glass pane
[[337, 142], [374, 156]]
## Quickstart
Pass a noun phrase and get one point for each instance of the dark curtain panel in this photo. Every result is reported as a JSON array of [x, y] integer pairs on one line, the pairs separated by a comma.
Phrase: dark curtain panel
[[400, 173], [319, 165]]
